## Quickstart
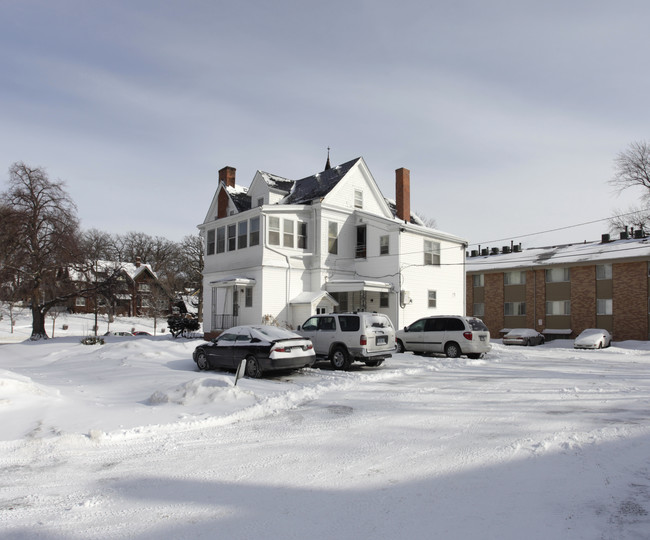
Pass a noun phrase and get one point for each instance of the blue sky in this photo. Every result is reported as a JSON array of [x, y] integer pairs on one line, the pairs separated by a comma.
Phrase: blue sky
[[508, 114]]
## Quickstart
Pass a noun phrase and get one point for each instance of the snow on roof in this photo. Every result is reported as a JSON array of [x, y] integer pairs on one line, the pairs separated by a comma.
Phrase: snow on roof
[[102, 266], [277, 182], [240, 197], [318, 185], [563, 255]]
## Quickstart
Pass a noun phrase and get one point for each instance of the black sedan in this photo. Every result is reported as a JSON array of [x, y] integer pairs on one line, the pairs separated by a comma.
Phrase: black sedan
[[265, 348]]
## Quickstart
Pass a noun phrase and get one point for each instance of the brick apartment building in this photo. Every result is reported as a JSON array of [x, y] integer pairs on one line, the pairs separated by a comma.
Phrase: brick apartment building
[[561, 290]]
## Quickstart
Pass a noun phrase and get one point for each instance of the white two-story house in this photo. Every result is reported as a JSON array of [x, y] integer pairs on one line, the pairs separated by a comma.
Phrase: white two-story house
[[282, 250]]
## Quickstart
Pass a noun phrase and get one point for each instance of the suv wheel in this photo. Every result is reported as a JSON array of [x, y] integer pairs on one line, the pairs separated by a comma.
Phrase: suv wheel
[[340, 358], [452, 350]]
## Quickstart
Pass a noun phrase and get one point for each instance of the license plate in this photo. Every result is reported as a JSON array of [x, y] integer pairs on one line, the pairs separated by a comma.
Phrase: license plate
[[382, 340], [482, 338]]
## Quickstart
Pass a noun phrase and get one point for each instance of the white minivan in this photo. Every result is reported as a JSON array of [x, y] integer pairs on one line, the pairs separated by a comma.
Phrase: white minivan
[[452, 335]]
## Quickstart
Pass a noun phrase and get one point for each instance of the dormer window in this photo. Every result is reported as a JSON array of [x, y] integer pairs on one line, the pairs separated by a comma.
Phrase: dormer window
[[358, 198]]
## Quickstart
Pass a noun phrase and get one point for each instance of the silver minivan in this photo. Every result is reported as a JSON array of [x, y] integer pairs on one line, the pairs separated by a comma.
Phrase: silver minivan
[[452, 335], [348, 337]]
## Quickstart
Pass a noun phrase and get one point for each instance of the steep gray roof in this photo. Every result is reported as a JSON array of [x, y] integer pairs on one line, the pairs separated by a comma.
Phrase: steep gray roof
[[318, 185], [277, 182]]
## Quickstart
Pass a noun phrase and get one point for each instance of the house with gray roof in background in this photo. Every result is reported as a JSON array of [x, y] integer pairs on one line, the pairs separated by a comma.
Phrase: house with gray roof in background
[[281, 250]]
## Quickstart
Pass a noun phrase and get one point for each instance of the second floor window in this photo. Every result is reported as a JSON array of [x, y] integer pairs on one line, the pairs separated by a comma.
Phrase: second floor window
[[242, 234], [478, 280], [333, 237], [254, 238], [210, 243], [302, 235], [221, 239], [274, 231], [479, 309], [431, 253], [558, 307], [604, 306], [232, 237], [360, 251], [384, 245], [288, 233], [511, 309]]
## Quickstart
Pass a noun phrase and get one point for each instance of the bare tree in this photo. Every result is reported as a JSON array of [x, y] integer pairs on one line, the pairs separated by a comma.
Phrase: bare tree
[[191, 258], [632, 168], [633, 218], [44, 239]]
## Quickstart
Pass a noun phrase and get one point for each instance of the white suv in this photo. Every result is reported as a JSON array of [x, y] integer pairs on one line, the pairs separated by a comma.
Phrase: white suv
[[346, 337], [452, 335]]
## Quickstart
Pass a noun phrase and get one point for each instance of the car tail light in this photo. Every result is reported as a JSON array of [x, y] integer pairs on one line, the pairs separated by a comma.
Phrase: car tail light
[[308, 347], [467, 336], [279, 349], [363, 340]]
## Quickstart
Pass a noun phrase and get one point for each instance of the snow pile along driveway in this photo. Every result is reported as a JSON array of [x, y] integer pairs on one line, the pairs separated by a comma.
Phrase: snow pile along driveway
[[128, 440]]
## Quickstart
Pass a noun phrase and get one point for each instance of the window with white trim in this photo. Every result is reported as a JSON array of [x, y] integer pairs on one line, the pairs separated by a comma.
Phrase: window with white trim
[[432, 299], [221, 239], [232, 237], [383, 299], [431, 253], [384, 245], [288, 233], [478, 309], [254, 233], [242, 234], [210, 243], [248, 301], [302, 235], [358, 198], [274, 231], [332, 237], [80, 301]]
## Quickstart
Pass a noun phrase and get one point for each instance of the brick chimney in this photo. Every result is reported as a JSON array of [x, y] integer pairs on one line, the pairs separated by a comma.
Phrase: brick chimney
[[227, 176], [138, 262], [403, 194]]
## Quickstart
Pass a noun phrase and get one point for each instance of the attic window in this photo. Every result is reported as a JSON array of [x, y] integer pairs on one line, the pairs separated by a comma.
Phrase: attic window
[[358, 198]]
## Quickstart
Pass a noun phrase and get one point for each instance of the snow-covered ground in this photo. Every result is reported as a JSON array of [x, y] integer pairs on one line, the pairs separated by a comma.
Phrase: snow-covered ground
[[129, 440]]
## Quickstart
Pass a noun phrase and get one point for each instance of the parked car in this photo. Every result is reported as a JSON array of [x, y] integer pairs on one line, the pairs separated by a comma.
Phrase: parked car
[[451, 335], [344, 338], [265, 348], [593, 338], [141, 333], [523, 336], [118, 334]]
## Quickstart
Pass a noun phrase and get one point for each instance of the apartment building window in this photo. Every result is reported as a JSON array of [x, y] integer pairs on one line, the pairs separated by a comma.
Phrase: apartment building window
[[302, 235], [604, 306], [248, 301], [333, 237], [432, 300], [221, 239], [512, 309], [383, 299], [232, 237], [288, 233], [478, 310], [431, 253], [558, 307], [360, 250], [557, 275], [210, 243], [242, 236], [478, 280], [514, 278], [384, 245], [254, 238], [358, 198], [274, 231], [603, 271]]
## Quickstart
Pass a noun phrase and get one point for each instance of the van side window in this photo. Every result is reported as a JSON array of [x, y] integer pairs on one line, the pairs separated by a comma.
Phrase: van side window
[[454, 324]]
